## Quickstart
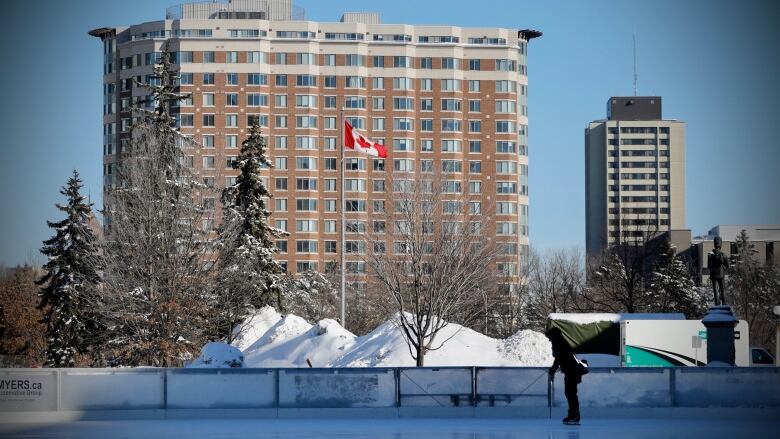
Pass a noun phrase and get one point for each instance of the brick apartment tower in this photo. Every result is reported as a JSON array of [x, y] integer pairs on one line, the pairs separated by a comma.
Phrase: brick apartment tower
[[634, 173], [439, 97]]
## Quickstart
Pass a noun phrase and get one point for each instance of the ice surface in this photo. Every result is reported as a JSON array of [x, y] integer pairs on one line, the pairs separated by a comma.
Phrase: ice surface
[[394, 428]]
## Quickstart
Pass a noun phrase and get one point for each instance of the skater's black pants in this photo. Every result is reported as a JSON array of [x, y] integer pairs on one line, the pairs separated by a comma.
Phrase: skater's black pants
[[570, 390]]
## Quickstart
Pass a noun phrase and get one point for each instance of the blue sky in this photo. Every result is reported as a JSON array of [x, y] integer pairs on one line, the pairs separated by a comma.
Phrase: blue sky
[[715, 63]]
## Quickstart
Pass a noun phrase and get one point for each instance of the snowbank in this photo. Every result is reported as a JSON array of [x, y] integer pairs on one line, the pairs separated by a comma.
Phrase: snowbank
[[291, 341], [217, 354], [255, 327]]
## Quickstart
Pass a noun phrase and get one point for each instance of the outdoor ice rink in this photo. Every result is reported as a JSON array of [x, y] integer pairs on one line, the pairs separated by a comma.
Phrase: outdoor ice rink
[[398, 429]]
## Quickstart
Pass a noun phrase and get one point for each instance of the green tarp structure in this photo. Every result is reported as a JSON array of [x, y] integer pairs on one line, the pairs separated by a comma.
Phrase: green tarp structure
[[590, 338]]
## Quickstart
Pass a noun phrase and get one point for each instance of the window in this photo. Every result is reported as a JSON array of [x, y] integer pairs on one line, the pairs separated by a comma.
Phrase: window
[[403, 165], [281, 122], [256, 57], [330, 247], [184, 120], [505, 147], [379, 61], [280, 58], [475, 126], [306, 121], [306, 225], [208, 120], [450, 125], [306, 81], [505, 65], [355, 184], [426, 104], [330, 185], [475, 106], [305, 163], [402, 61], [403, 124], [306, 204], [506, 228], [505, 126], [475, 187], [280, 163], [506, 208], [281, 141], [450, 63], [355, 82], [378, 103], [426, 125], [355, 206], [231, 99], [475, 64], [330, 102], [231, 57], [330, 164], [378, 124], [426, 84], [378, 186], [305, 246], [354, 60], [505, 167], [281, 101], [282, 246], [504, 106], [355, 164], [305, 142], [475, 167], [208, 141], [305, 59], [208, 162], [304, 266], [330, 205], [281, 80], [451, 166], [330, 225], [354, 102], [451, 146], [450, 85], [403, 145], [378, 83], [280, 183], [257, 79], [231, 78], [504, 86], [379, 165], [208, 57], [474, 86], [330, 123], [406, 104], [208, 79], [426, 63], [185, 78], [450, 105], [208, 99], [330, 82], [256, 100], [426, 145], [506, 187], [281, 224], [402, 83], [306, 101]]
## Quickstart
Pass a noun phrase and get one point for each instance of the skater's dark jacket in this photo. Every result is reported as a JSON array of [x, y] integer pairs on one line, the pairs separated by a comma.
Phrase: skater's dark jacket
[[564, 356]]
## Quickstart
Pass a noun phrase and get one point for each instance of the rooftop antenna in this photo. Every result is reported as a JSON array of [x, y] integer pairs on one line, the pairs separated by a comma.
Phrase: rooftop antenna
[[636, 77]]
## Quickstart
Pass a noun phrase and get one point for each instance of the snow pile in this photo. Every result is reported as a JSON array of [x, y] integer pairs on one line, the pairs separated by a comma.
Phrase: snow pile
[[291, 341], [528, 348], [217, 354], [255, 327]]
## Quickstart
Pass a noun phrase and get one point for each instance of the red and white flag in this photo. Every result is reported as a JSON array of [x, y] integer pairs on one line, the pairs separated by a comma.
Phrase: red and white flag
[[354, 140]]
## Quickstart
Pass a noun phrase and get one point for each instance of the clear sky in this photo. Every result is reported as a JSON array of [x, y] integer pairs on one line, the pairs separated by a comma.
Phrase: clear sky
[[715, 63]]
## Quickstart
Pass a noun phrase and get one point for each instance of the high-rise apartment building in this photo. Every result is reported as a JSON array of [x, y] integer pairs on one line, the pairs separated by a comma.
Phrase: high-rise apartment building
[[445, 100], [634, 174]]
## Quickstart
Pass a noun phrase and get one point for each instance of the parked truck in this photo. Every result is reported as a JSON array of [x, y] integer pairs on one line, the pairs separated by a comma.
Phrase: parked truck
[[648, 340]]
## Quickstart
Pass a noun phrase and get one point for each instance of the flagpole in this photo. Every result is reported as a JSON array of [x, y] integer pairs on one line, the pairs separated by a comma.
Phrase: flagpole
[[343, 226]]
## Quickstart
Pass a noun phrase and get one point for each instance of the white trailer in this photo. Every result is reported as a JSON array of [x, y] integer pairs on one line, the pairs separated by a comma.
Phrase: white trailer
[[645, 343]]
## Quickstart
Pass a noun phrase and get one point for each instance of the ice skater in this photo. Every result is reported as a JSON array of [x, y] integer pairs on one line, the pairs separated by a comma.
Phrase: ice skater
[[572, 370]]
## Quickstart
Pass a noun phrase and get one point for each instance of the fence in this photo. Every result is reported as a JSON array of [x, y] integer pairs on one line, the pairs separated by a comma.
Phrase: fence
[[469, 391]]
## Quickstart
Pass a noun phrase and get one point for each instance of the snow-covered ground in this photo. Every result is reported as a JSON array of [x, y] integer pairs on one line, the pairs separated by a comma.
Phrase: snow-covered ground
[[461, 428], [273, 340]]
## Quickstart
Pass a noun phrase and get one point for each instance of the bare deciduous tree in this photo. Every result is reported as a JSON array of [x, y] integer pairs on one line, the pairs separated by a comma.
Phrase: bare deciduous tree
[[555, 283], [434, 262]]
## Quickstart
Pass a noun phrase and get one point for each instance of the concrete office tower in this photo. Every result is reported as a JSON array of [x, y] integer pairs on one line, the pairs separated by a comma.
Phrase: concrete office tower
[[441, 98], [634, 174]]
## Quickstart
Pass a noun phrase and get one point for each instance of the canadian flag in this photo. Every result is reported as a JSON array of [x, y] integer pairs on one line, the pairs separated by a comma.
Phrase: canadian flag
[[353, 139]]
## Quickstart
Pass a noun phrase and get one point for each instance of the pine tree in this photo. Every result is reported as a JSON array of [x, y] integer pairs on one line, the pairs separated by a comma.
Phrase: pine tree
[[249, 275], [68, 297], [672, 289], [158, 248]]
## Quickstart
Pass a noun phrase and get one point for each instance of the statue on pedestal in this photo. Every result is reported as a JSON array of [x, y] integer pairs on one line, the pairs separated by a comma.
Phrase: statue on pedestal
[[717, 263]]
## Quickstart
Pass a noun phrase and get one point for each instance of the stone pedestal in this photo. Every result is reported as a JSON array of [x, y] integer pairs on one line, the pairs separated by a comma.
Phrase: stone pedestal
[[720, 322]]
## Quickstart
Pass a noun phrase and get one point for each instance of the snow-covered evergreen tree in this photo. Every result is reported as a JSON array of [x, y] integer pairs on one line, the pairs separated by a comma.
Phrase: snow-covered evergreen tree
[[311, 295], [248, 274], [158, 248], [68, 296], [672, 289]]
